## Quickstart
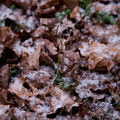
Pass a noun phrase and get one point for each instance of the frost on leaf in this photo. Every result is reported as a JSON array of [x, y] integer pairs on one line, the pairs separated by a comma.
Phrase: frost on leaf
[[100, 56], [57, 61], [31, 62], [97, 6], [4, 112], [22, 114], [68, 60], [61, 99], [17, 88]]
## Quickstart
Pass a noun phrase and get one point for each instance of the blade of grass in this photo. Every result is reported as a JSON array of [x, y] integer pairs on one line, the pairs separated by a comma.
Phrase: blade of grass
[[59, 57]]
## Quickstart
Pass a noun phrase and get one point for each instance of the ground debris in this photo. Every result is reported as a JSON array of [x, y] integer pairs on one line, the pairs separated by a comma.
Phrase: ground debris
[[60, 60]]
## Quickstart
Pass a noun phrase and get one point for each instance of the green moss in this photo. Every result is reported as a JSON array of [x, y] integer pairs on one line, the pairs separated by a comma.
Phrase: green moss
[[105, 17], [63, 83], [62, 14], [16, 27], [85, 5], [13, 7]]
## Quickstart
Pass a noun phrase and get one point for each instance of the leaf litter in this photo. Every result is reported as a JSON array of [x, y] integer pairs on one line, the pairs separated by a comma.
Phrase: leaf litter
[[59, 60]]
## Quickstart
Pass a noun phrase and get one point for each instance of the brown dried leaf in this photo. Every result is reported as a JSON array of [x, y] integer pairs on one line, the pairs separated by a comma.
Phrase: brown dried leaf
[[1, 49], [61, 99], [17, 88], [97, 6], [23, 3], [71, 3], [39, 32], [89, 84], [29, 94], [30, 62], [48, 22], [3, 97], [7, 38], [59, 28], [50, 3], [75, 14], [68, 60], [23, 115], [8, 98], [40, 79], [46, 59], [4, 112], [51, 48], [46, 12], [4, 73], [101, 33], [24, 66], [33, 60], [100, 55]]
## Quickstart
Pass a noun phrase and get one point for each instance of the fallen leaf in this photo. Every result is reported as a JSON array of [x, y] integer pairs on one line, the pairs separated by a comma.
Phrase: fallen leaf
[[17, 88], [33, 60], [61, 99], [4, 73], [46, 59], [7, 38], [100, 55], [75, 14]]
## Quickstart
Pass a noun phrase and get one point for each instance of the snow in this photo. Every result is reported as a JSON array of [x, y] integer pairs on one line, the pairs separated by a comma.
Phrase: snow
[[3, 109], [86, 117], [114, 39], [27, 1], [89, 79], [19, 48], [39, 41], [32, 75], [42, 2], [90, 39], [56, 104], [84, 49], [1, 48], [22, 114], [116, 114], [59, 103], [17, 85], [102, 32], [7, 12], [19, 113], [65, 68], [102, 50], [102, 7], [67, 81], [66, 61], [30, 23], [41, 108], [108, 8], [78, 17]]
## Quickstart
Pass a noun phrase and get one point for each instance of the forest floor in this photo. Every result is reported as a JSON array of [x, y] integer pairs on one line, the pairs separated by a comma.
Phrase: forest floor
[[60, 60]]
